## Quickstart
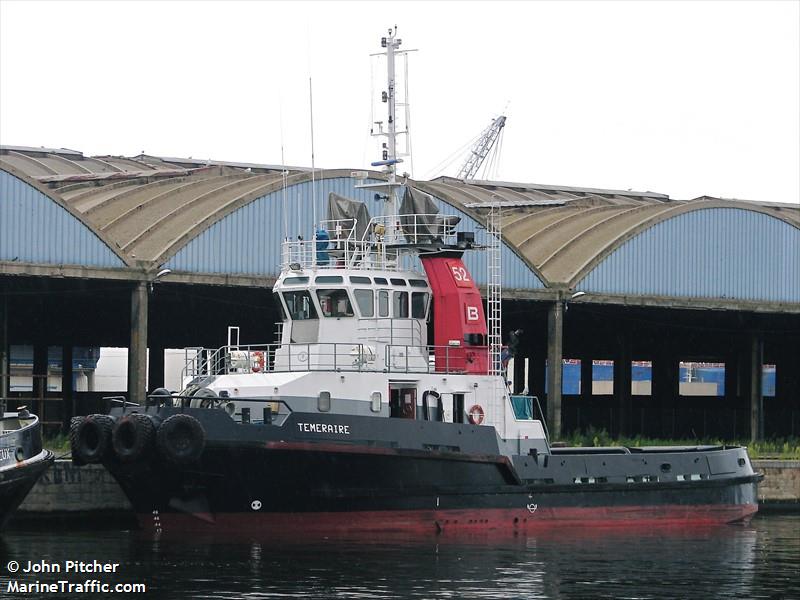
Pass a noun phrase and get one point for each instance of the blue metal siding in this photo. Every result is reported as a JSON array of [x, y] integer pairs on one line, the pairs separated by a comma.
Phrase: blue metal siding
[[248, 240], [35, 229], [726, 253]]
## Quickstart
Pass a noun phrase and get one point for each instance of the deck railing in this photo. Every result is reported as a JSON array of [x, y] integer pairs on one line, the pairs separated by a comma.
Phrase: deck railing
[[278, 358], [382, 245]]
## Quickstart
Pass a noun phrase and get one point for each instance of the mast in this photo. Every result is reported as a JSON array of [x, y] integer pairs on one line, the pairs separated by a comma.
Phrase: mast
[[391, 43], [389, 155]]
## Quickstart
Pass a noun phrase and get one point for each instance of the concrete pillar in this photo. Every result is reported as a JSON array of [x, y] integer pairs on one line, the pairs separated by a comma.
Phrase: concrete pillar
[[585, 403], [732, 394], [67, 393], [137, 350], [756, 366], [665, 388], [39, 376], [4, 350], [555, 344], [586, 378], [622, 383]]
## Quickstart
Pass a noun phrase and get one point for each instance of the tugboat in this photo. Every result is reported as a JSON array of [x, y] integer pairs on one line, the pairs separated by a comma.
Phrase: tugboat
[[22, 459], [355, 424]]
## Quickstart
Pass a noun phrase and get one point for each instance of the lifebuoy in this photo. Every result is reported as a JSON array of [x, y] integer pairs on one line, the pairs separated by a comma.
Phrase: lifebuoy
[[181, 439], [257, 364], [475, 414], [133, 436], [89, 438]]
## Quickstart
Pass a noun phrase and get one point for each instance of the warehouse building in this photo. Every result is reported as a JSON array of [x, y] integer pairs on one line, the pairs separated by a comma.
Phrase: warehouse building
[[155, 252]]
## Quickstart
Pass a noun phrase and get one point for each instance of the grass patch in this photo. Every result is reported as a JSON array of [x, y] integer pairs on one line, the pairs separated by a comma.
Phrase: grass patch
[[58, 444]]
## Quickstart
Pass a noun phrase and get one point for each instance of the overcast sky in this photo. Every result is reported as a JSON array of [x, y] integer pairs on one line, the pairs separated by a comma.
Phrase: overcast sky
[[682, 98]]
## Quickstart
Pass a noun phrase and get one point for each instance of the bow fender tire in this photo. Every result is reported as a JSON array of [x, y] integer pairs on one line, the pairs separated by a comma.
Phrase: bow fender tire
[[90, 438], [181, 439], [132, 437]]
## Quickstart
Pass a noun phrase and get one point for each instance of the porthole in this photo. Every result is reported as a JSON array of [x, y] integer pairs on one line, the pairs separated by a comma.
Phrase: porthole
[[324, 401], [376, 398]]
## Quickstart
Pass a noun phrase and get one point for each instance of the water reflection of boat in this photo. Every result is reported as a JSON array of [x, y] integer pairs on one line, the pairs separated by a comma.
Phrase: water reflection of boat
[[354, 423], [22, 459], [757, 561]]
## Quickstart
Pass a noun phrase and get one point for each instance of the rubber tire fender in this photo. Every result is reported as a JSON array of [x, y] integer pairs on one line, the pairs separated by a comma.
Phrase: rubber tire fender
[[90, 438], [132, 437], [181, 439]]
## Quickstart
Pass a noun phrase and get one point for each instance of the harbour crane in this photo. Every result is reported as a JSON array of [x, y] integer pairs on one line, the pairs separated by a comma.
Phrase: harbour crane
[[482, 147]]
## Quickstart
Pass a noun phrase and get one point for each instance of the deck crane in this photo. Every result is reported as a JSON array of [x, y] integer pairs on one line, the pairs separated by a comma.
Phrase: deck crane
[[481, 149]]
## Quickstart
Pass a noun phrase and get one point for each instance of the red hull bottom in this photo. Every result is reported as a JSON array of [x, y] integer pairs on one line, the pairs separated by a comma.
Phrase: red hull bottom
[[420, 522]]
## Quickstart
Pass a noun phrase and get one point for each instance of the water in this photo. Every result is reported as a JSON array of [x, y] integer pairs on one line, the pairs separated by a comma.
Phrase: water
[[758, 561]]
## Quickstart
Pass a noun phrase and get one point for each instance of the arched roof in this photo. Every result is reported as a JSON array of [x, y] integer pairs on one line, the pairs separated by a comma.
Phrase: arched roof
[[564, 233], [154, 211], [150, 220], [37, 226]]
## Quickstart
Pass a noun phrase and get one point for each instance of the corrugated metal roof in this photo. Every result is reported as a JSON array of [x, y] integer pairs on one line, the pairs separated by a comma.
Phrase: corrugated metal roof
[[61, 164], [564, 242], [516, 203], [150, 219], [190, 213]]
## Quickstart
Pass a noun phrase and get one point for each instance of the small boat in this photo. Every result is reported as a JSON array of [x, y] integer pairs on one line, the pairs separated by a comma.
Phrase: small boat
[[22, 459], [354, 424]]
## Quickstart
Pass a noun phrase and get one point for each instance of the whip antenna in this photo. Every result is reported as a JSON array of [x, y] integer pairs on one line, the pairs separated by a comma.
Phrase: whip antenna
[[313, 178]]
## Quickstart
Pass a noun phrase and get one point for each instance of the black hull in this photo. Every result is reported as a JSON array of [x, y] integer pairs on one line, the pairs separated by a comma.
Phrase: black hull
[[285, 486]]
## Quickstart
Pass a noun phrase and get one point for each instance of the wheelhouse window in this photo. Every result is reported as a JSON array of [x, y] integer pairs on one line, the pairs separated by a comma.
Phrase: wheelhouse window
[[335, 303], [419, 304], [277, 297], [383, 303], [400, 305], [300, 306], [366, 302], [295, 280]]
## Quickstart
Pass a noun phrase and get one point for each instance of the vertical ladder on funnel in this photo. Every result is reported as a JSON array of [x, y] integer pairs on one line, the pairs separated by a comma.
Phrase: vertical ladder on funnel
[[494, 290]]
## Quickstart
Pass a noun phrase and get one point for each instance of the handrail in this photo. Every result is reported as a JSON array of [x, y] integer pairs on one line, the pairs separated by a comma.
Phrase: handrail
[[156, 400], [328, 356], [381, 246]]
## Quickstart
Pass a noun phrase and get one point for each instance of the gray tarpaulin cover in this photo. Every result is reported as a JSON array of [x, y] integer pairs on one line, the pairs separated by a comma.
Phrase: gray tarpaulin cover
[[425, 228], [341, 208], [418, 203]]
